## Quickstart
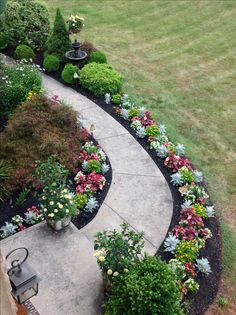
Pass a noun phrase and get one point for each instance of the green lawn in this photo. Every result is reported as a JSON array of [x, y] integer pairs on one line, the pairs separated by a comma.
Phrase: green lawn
[[179, 58]]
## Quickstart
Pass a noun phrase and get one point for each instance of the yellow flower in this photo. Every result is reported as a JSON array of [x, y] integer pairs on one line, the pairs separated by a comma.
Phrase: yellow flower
[[101, 258], [109, 272]]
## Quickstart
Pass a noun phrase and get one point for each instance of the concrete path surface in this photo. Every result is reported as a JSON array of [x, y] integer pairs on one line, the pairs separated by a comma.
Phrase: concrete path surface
[[71, 281]]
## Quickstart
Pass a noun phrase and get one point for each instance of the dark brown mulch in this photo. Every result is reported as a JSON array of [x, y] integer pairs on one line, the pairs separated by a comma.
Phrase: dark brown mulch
[[199, 301]]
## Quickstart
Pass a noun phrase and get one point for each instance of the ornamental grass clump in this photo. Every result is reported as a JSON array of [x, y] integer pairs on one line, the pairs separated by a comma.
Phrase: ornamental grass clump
[[148, 288], [100, 79]]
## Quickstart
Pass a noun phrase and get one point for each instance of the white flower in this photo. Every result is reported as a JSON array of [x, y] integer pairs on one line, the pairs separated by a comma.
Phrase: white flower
[[116, 273], [109, 272], [67, 210], [51, 203], [55, 210]]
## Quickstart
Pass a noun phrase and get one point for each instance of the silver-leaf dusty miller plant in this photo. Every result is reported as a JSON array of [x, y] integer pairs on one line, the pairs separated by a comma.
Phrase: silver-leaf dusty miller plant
[[170, 243], [107, 98], [198, 176], [91, 204], [180, 149], [105, 168], [210, 211], [162, 151], [176, 179], [141, 132], [8, 229], [203, 266]]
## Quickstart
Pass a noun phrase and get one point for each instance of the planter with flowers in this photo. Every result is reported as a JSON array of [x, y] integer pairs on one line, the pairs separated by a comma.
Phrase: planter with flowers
[[75, 25]]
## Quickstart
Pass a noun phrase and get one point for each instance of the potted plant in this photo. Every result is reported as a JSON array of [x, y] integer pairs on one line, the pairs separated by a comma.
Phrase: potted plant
[[117, 253], [58, 207], [57, 201], [75, 25]]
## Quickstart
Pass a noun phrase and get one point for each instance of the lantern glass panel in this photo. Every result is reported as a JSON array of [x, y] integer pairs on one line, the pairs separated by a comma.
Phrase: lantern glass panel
[[28, 294]]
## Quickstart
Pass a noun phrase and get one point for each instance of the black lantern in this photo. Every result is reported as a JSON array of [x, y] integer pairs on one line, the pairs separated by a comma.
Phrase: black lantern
[[24, 280]]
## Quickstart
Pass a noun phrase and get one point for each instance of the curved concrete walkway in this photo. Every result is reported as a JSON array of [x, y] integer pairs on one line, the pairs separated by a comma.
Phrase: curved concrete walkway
[[138, 194]]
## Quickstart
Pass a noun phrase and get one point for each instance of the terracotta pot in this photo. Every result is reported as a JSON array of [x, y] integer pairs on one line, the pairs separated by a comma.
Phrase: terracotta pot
[[59, 224]]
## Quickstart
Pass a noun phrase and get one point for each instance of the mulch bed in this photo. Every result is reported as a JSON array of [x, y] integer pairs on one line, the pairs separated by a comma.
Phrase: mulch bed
[[199, 301]]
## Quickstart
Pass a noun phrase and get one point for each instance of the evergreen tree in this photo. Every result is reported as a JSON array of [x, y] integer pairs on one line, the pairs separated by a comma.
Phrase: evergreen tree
[[58, 43]]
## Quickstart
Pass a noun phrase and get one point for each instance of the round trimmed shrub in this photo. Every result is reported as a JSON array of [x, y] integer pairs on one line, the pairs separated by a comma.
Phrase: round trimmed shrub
[[149, 288], [51, 63], [24, 52], [26, 21], [98, 56], [100, 78], [3, 41], [68, 73]]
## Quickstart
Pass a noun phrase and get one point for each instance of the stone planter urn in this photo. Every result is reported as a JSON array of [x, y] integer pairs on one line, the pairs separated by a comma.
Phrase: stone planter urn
[[59, 224]]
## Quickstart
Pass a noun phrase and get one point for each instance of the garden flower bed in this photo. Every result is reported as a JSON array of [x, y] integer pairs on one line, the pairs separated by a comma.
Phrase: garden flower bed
[[88, 167], [193, 244]]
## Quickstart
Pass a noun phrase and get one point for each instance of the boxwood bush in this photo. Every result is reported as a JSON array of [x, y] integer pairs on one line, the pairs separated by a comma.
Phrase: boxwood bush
[[100, 79], [26, 22], [3, 41], [16, 82], [149, 288], [68, 73], [24, 52], [51, 63], [98, 56]]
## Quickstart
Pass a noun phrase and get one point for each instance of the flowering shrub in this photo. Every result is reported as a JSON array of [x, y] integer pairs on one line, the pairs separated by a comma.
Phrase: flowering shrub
[[118, 252], [188, 238], [17, 81]]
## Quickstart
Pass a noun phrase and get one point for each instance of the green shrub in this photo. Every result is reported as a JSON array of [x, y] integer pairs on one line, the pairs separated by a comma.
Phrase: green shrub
[[38, 129], [94, 166], [100, 79], [149, 288], [80, 200], [58, 43], [152, 131], [24, 52], [18, 81], [116, 98], [51, 63], [3, 41], [2, 5], [26, 22], [68, 73], [98, 56]]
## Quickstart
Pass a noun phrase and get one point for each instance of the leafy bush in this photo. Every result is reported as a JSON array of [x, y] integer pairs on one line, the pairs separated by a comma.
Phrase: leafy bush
[[100, 79], [94, 166], [98, 56], [24, 52], [51, 173], [2, 5], [68, 73], [116, 98], [149, 288], [17, 81], [51, 63], [58, 43], [81, 200], [152, 131], [3, 41], [87, 47], [39, 128], [26, 22], [4, 171], [118, 252]]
